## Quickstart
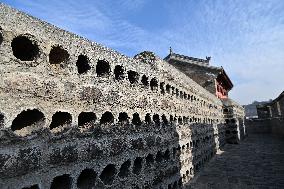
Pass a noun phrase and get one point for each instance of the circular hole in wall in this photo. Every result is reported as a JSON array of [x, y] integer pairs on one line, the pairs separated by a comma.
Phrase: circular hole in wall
[[82, 64], [24, 48], [60, 182], [28, 121], [58, 55], [102, 68], [87, 179], [1, 38], [1, 120], [108, 174]]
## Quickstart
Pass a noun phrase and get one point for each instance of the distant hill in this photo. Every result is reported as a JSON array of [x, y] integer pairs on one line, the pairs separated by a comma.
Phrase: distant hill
[[250, 109]]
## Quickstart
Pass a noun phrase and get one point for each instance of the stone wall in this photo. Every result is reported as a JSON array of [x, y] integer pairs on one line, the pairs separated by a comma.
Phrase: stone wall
[[270, 118], [76, 114], [234, 121], [273, 126], [272, 109]]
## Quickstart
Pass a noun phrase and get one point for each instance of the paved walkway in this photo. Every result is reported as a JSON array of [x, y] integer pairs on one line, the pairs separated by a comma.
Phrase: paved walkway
[[258, 162]]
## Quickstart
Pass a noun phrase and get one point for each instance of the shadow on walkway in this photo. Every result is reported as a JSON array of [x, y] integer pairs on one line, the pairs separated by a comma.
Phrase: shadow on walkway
[[258, 162]]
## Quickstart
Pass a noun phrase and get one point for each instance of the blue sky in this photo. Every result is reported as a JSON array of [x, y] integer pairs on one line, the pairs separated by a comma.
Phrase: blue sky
[[246, 37]]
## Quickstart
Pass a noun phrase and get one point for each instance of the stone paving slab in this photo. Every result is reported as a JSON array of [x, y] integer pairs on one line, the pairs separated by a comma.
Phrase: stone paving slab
[[258, 162]]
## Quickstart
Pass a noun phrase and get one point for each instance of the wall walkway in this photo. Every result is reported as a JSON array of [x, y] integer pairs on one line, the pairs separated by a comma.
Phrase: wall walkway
[[258, 162]]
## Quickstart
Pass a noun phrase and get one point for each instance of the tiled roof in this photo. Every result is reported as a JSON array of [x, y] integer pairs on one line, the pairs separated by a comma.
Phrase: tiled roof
[[192, 60]]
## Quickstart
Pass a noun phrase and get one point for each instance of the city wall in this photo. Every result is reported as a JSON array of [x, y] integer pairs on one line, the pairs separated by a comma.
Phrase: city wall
[[76, 114], [273, 126]]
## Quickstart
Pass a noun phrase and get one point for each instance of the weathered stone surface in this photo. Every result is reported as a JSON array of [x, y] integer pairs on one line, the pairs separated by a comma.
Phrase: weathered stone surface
[[143, 110]]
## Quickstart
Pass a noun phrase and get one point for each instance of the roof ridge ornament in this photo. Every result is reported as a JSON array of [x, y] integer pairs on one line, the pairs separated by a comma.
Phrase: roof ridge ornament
[[208, 58], [171, 50]]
